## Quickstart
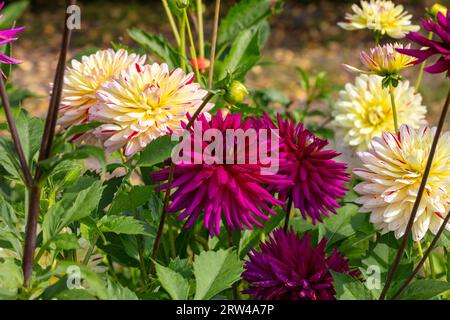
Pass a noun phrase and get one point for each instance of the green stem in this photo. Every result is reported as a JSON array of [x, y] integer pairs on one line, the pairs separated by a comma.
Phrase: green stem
[[431, 262], [91, 249], [394, 110], [171, 21], [192, 45], [214, 43], [171, 238], [422, 66], [201, 41], [183, 42], [419, 248]]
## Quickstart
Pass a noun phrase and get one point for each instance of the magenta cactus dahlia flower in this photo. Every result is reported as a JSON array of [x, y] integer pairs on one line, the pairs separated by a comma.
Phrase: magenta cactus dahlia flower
[[233, 191], [439, 46], [316, 179], [7, 36], [288, 267]]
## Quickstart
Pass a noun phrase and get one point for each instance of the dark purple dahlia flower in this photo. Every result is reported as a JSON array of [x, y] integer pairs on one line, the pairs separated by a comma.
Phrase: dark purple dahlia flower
[[7, 36], [288, 268], [440, 45], [233, 192], [316, 179]]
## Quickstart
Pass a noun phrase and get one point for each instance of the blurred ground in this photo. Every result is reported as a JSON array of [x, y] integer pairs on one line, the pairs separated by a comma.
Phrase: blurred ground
[[304, 35]]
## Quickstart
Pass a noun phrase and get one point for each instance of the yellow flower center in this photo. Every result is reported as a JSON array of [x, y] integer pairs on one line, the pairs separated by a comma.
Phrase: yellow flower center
[[376, 115]]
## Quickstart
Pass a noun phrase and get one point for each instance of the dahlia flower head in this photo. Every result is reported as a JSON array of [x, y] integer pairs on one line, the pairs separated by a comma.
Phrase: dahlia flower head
[[363, 110], [143, 103], [289, 267], [316, 179], [233, 193], [8, 36], [384, 60], [392, 173], [380, 16], [439, 45], [83, 79]]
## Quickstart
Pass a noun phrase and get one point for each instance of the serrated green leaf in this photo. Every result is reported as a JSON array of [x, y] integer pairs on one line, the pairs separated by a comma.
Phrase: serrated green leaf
[[120, 225], [157, 151], [130, 200], [424, 289], [349, 288], [66, 241], [73, 206], [173, 282], [215, 271]]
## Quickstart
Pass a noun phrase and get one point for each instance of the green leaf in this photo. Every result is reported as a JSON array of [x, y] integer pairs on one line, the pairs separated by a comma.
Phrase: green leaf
[[173, 282], [115, 291], [157, 151], [156, 45], [349, 288], [76, 204], [81, 152], [10, 279], [304, 78], [121, 225], [8, 159], [12, 12], [381, 254], [339, 226], [130, 200], [243, 55], [424, 289], [240, 17], [66, 241], [215, 271]]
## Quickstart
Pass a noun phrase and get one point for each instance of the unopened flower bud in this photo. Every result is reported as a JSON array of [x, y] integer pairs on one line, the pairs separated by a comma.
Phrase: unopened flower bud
[[182, 4], [236, 92], [438, 8]]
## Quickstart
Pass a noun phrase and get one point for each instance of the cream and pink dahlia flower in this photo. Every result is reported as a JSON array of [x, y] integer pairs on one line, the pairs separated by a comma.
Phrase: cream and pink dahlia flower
[[393, 170]]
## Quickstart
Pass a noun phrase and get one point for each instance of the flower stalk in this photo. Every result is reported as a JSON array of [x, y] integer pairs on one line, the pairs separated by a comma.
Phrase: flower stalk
[[201, 40], [214, 42], [173, 26], [394, 109], [192, 45]]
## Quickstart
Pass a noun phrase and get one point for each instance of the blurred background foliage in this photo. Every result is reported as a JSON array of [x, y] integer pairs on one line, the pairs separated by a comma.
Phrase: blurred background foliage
[[304, 35]]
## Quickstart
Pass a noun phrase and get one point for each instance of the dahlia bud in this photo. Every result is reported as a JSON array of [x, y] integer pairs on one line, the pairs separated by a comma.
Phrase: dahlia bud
[[182, 4], [235, 92], [438, 8]]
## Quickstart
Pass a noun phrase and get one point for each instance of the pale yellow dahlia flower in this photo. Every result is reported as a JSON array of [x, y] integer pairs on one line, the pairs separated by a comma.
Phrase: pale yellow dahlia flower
[[83, 79], [143, 103], [394, 167], [380, 16], [384, 60], [364, 111]]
